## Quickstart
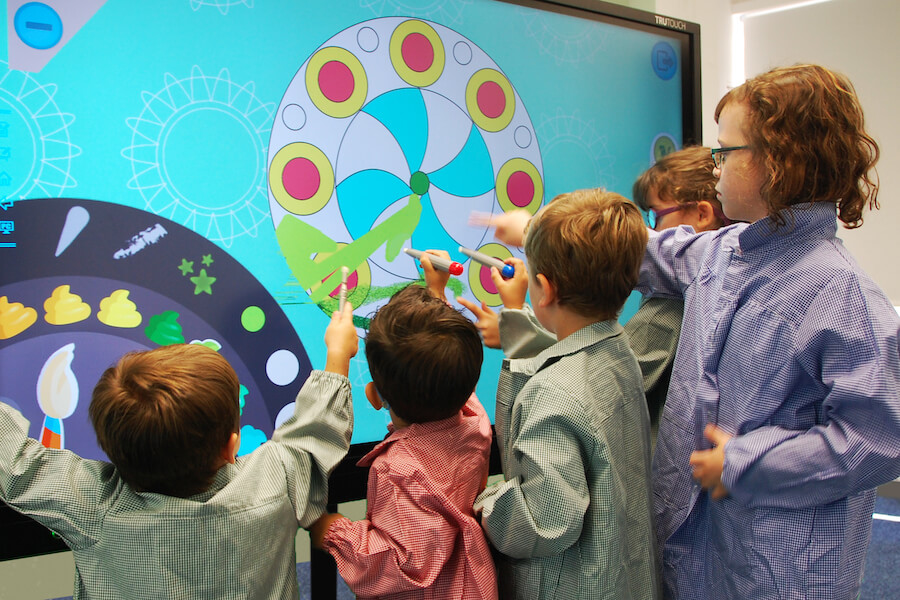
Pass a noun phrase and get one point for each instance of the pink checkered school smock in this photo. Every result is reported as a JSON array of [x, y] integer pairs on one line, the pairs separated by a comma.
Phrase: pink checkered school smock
[[420, 538]]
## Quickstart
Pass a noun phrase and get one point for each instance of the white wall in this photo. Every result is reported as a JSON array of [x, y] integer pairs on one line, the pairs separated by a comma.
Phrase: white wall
[[859, 39], [856, 37]]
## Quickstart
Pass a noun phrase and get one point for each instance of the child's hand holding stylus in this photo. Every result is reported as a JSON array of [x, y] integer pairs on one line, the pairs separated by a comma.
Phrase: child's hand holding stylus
[[341, 340]]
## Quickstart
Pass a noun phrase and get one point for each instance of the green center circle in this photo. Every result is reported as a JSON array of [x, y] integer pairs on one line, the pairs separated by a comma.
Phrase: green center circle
[[419, 183]]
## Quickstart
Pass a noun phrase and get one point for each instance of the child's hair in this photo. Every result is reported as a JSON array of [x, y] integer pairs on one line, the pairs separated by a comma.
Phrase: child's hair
[[683, 177], [589, 244], [424, 356], [806, 124], [164, 417]]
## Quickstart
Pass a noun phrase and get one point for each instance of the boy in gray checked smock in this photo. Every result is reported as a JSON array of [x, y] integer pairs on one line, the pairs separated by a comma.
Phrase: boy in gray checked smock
[[176, 514], [572, 518]]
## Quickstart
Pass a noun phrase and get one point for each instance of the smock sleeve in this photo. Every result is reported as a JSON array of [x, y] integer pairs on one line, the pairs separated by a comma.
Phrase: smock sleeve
[[57, 488], [314, 440], [850, 343]]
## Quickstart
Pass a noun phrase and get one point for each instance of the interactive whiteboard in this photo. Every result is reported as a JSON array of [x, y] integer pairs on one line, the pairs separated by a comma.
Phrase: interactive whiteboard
[[200, 170]]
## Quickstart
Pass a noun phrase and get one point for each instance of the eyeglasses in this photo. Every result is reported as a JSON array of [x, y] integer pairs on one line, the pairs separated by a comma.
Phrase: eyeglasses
[[719, 154], [653, 215]]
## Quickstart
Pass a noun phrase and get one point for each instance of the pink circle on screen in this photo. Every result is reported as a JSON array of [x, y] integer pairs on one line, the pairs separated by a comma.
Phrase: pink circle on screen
[[486, 282], [352, 280], [520, 189], [417, 52], [491, 99], [300, 178], [336, 81]]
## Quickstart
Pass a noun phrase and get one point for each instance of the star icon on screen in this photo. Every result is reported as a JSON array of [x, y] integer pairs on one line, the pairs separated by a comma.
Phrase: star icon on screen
[[187, 267], [203, 282]]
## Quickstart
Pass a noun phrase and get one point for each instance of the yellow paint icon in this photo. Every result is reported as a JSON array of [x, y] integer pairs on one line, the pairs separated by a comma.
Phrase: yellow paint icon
[[15, 318], [63, 307], [116, 310]]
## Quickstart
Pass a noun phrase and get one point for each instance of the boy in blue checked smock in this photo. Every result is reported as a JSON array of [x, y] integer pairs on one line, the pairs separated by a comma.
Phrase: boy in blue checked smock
[[783, 412], [572, 518], [177, 514]]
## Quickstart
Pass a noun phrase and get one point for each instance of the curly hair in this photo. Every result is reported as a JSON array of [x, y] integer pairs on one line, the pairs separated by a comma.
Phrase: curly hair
[[807, 126], [164, 416], [589, 244]]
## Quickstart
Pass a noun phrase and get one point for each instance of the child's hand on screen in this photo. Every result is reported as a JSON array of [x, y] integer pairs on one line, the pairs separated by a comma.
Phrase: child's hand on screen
[[512, 291], [487, 323], [509, 227]]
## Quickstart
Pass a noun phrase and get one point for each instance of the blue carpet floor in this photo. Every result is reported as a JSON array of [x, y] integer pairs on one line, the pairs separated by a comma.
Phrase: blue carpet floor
[[881, 579]]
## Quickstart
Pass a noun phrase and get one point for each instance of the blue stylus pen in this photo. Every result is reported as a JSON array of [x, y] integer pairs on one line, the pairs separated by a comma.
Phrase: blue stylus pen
[[507, 271]]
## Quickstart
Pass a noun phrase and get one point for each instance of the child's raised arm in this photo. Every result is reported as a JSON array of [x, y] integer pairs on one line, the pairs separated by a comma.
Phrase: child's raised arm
[[341, 340]]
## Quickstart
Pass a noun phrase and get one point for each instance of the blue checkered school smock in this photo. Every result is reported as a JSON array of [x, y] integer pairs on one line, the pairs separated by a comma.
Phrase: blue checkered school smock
[[787, 344]]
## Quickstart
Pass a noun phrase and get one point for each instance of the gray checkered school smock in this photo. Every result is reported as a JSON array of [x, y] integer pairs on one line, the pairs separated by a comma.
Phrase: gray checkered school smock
[[573, 517], [236, 540]]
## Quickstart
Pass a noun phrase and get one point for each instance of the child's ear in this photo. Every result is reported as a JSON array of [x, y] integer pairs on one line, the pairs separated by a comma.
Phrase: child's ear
[[548, 290], [372, 396], [229, 452], [706, 216]]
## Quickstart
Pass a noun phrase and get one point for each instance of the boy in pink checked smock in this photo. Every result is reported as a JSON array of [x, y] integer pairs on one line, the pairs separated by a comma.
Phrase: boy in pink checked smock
[[420, 538]]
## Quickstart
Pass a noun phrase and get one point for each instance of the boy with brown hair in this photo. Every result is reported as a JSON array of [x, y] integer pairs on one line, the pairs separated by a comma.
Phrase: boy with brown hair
[[177, 514], [573, 517], [420, 537], [678, 189]]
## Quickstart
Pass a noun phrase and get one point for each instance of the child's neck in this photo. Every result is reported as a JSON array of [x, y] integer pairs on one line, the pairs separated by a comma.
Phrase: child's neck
[[397, 422], [568, 322]]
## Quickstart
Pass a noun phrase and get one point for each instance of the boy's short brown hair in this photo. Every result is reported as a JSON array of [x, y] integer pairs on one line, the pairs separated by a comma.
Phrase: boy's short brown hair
[[424, 356], [683, 177], [589, 244], [806, 125], [164, 417]]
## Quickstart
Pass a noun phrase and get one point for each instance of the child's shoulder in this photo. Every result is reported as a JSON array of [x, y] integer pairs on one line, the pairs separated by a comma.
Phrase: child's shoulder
[[599, 360]]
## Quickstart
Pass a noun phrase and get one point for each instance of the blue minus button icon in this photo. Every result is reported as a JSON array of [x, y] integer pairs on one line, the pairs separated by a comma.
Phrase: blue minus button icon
[[38, 25]]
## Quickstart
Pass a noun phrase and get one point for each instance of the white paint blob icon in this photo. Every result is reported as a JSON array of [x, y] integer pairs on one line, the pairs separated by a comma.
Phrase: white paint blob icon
[[57, 394], [76, 220]]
